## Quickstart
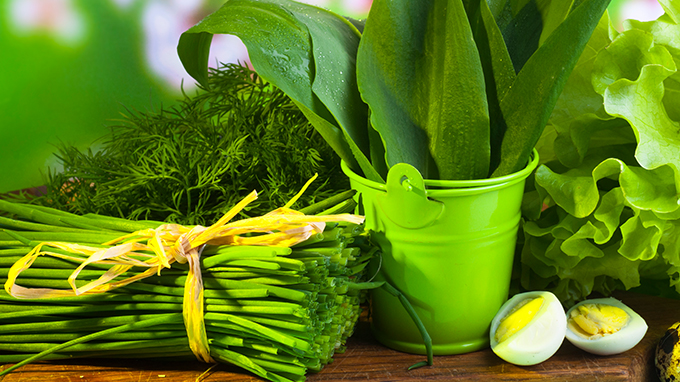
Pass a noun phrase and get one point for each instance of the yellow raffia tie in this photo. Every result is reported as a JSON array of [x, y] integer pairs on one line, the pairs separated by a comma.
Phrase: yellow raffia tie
[[282, 227]]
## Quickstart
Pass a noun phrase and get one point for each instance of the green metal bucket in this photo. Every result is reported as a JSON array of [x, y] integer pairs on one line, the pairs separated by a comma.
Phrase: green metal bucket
[[448, 246]]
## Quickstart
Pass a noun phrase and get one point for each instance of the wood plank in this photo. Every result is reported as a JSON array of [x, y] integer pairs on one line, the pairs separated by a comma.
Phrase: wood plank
[[366, 359]]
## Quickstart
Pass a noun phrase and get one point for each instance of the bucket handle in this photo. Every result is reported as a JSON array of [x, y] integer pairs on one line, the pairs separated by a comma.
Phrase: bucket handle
[[406, 203]]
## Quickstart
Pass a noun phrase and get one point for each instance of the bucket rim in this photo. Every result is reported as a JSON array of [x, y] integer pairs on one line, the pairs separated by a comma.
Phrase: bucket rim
[[435, 187]]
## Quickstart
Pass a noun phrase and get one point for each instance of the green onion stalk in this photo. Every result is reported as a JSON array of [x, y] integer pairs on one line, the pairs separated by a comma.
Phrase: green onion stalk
[[277, 312]]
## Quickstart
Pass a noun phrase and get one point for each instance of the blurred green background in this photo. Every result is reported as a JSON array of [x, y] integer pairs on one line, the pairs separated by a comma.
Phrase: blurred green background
[[69, 68]]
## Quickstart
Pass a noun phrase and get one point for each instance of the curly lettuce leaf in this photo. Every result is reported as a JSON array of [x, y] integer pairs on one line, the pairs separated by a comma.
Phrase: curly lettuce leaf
[[636, 95], [603, 274], [666, 31], [608, 190]]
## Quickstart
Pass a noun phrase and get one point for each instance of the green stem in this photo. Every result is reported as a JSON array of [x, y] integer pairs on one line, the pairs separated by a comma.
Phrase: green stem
[[217, 255], [215, 293], [134, 325], [29, 212], [109, 346], [427, 340], [79, 323], [147, 334], [117, 220], [347, 206], [23, 225], [89, 309], [228, 285], [49, 216], [315, 208], [81, 236]]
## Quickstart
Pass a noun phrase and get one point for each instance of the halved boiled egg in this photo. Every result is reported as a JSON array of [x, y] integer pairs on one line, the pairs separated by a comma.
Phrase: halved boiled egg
[[529, 328], [604, 326]]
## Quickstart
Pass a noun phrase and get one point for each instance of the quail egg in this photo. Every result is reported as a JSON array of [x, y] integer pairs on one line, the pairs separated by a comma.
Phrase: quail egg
[[604, 326], [529, 328]]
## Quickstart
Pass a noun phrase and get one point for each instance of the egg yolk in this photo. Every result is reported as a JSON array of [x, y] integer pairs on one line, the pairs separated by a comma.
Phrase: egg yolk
[[518, 318], [593, 321]]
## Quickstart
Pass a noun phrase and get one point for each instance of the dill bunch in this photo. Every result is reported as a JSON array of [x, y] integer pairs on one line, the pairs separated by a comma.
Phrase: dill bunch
[[190, 163]]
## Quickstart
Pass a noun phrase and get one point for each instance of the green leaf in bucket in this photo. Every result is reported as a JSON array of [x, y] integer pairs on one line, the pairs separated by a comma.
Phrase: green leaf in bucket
[[438, 75], [530, 100], [436, 116], [499, 73], [307, 52], [521, 24]]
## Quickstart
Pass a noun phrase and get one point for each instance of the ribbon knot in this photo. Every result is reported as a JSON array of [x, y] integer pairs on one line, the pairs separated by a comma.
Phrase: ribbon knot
[[192, 303]]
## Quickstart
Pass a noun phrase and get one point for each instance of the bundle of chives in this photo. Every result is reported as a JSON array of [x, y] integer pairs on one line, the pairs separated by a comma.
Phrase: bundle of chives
[[278, 312]]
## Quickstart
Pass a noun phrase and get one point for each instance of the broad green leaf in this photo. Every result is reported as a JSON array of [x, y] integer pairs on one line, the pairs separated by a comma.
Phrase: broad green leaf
[[495, 58], [584, 236], [529, 102], [655, 269], [532, 228], [337, 137], [499, 72], [193, 50], [545, 145], [553, 13], [574, 238], [496, 7], [666, 31], [359, 24], [671, 98], [578, 96], [377, 151], [278, 45], [579, 113], [419, 71], [522, 32], [492, 49], [526, 24], [306, 51], [335, 42], [533, 201]]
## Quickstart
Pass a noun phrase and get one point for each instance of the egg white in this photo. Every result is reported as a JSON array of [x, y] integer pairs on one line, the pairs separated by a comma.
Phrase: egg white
[[539, 339], [615, 343]]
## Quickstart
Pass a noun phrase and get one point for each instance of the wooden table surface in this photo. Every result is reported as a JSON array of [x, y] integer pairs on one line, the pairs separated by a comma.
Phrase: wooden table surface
[[366, 359]]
